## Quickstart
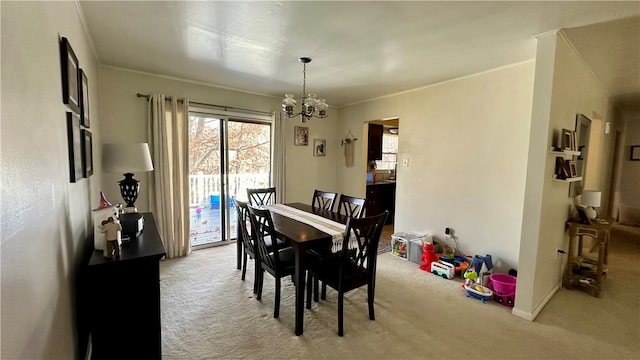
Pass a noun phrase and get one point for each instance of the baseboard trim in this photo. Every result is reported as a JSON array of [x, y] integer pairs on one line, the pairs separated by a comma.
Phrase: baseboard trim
[[531, 316]]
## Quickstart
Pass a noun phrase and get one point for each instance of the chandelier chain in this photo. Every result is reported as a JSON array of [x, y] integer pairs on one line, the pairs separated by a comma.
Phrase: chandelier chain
[[304, 81]]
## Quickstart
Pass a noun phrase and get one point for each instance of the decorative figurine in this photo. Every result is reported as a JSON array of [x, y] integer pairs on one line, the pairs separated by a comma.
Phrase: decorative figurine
[[111, 228], [104, 203]]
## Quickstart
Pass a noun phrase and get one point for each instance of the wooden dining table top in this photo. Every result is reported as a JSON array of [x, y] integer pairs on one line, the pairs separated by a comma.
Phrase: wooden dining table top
[[300, 232]]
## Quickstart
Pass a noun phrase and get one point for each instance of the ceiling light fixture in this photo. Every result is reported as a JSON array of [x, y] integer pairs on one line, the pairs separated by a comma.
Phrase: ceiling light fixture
[[311, 105]]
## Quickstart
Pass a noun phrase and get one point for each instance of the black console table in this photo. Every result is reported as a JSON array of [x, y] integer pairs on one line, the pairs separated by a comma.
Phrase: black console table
[[124, 298]]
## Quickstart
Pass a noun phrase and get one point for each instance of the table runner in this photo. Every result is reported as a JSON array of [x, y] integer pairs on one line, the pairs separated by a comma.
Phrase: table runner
[[335, 229]]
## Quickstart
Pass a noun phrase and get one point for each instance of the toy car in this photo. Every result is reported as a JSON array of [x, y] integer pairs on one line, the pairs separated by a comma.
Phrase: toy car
[[443, 269]]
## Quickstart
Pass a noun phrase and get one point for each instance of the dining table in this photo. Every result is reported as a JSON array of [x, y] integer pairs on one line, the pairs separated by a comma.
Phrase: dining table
[[306, 228]]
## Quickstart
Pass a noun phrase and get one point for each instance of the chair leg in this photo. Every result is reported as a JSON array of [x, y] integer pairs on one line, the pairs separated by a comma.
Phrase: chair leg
[[260, 281], [244, 266], [370, 295], [316, 286], [309, 279], [255, 277], [276, 306], [340, 314]]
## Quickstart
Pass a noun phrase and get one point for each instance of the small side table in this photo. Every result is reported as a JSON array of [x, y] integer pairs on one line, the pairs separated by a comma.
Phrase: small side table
[[583, 273]]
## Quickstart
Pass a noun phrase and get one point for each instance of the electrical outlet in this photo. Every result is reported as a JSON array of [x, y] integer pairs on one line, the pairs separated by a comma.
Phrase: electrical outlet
[[448, 232]]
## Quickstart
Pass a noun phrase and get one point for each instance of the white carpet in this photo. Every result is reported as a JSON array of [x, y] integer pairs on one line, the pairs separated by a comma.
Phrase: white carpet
[[209, 313]]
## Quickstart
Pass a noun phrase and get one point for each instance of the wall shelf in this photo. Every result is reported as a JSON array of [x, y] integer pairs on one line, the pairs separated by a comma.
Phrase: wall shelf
[[568, 180], [565, 152], [565, 158]]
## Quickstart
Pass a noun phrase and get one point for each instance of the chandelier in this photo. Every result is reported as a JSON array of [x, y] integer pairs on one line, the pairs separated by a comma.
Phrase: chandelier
[[311, 105]]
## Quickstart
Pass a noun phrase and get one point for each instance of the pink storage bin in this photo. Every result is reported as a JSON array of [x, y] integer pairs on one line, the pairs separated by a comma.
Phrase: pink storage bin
[[503, 284], [504, 288]]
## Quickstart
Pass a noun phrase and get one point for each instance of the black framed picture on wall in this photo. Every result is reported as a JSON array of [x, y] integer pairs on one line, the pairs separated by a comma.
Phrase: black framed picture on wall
[[87, 153], [635, 153], [75, 147], [69, 66], [84, 98]]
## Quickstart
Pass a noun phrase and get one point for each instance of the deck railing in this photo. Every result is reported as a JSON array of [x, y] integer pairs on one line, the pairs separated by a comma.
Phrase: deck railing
[[202, 186]]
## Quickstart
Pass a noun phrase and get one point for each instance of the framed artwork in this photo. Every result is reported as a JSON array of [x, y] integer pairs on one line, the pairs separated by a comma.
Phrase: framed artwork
[[301, 135], [573, 169], [562, 169], [567, 139], [84, 98], [319, 147], [69, 66], [87, 153], [635, 153], [75, 147]]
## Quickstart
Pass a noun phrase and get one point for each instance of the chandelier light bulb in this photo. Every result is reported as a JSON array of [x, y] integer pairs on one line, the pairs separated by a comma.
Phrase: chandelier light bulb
[[288, 104], [322, 108]]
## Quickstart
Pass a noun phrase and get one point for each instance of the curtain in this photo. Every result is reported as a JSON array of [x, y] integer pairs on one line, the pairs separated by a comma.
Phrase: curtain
[[169, 195], [279, 158]]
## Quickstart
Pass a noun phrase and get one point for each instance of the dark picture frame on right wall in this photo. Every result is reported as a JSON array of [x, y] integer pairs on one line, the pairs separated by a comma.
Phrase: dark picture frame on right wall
[[634, 154]]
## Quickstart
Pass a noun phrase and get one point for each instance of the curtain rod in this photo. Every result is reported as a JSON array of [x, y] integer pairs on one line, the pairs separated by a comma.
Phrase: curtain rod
[[205, 104]]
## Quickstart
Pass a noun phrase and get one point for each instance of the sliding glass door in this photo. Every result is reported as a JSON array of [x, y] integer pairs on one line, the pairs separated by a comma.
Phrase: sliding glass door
[[227, 155]]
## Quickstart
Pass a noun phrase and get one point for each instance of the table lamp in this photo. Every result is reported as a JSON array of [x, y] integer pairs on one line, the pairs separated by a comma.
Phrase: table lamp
[[127, 159], [590, 200]]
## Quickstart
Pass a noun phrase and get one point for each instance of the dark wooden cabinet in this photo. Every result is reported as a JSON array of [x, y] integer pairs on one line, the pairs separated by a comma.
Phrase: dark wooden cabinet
[[375, 142], [381, 197], [123, 298]]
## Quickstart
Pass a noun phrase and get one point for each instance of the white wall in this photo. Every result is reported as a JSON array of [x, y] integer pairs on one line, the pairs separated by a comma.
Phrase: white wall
[[45, 218], [125, 120], [564, 87], [467, 143], [629, 190]]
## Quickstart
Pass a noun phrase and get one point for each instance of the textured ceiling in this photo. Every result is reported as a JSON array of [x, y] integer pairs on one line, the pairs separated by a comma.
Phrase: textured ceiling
[[360, 50]]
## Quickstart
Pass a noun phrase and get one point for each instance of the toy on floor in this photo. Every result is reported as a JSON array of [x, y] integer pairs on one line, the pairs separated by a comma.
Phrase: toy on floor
[[479, 292], [470, 276], [444, 269], [483, 266], [460, 263], [428, 256]]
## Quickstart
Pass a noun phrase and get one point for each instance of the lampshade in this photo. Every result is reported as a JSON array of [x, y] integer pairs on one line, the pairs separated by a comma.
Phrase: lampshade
[[126, 158], [590, 198]]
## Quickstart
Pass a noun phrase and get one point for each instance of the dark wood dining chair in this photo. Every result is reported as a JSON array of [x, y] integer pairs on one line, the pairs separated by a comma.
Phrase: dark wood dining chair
[[350, 269], [261, 196], [277, 261], [244, 236], [351, 206], [323, 200]]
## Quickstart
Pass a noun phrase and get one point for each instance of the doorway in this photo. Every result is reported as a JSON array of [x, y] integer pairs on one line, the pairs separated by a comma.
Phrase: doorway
[[227, 155]]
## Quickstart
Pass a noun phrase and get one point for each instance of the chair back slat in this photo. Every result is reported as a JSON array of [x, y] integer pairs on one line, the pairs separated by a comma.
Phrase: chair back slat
[[262, 226], [351, 206], [323, 200], [244, 225], [367, 232], [261, 196]]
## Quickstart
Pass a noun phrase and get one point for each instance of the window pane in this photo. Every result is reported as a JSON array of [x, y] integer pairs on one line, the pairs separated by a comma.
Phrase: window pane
[[389, 152]]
